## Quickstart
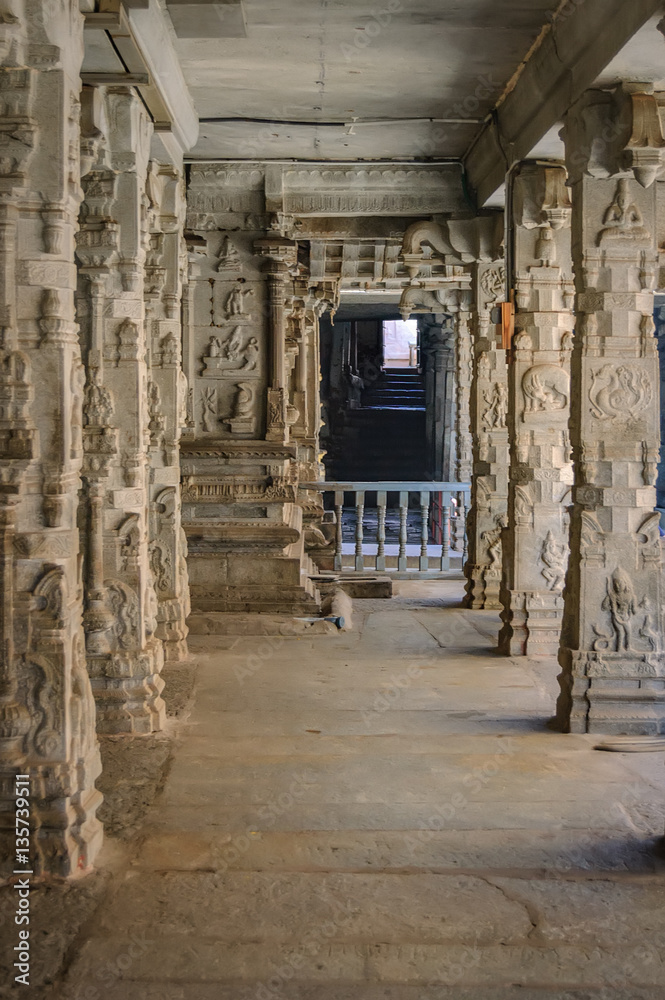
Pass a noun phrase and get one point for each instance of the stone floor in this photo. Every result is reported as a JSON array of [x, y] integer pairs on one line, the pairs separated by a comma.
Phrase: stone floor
[[377, 814]]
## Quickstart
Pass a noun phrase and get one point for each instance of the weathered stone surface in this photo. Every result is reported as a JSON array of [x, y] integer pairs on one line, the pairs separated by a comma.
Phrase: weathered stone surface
[[46, 705], [536, 538], [611, 654], [489, 412]]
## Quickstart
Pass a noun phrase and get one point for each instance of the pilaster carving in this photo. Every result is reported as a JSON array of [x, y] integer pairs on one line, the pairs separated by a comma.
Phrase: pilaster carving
[[489, 411]]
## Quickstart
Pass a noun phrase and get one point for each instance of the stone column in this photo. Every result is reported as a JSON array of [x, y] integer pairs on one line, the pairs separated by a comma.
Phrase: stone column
[[242, 460], [613, 668], [660, 334], [123, 413], [437, 347], [536, 539], [489, 406], [463, 376], [167, 403], [47, 717]]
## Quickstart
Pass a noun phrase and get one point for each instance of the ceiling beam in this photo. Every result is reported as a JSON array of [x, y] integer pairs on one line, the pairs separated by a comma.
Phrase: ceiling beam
[[579, 44]]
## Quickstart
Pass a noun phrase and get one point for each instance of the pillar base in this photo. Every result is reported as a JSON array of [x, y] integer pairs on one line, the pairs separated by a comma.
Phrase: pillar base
[[481, 589], [613, 693], [172, 631], [531, 623], [65, 835], [127, 688]]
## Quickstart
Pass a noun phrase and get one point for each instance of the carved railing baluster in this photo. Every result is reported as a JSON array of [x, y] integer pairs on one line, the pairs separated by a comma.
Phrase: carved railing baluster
[[381, 530], [403, 513], [424, 529], [339, 509], [445, 531], [461, 513], [360, 511]]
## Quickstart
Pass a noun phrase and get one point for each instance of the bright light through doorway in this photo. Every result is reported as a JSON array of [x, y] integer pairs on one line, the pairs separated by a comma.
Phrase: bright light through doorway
[[400, 339]]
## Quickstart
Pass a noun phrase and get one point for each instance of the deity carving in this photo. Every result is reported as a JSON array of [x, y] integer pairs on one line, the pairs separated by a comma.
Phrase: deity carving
[[554, 558], [545, 389], [98, 406], [492, 539], [484, 366], [229, 258], [496, 413], [631, 622], [623, 220], [619, 394]]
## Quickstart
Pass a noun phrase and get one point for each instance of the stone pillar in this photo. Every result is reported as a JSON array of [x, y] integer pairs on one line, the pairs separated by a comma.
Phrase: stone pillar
[[47, 716], [437, 348], [123, 414], [660, 334], [463, 376], [536, 539], [242, 461], [613, 669], [489, 406], [167, 403]]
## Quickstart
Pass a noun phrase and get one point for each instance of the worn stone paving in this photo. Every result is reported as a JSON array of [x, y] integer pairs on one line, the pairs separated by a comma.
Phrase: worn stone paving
[[377, 815]]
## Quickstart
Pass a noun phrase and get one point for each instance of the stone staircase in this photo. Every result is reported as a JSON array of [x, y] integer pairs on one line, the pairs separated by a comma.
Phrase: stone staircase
[[385, 438]]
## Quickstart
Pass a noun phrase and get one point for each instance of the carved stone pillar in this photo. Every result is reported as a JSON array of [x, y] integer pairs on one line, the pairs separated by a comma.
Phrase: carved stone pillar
[[437, 349], [660, 334], [47, 718], [167, 403], [489, 407], [536, 539], [123, 411], [242, 461], [611, 655], [463, 377]]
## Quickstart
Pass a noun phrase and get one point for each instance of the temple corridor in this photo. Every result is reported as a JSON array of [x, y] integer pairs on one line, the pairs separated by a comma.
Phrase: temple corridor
[[379, 813]]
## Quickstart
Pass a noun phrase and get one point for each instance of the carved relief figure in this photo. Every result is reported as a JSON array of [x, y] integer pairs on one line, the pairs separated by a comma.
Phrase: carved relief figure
[[98, 406], [483, 366], [623, 219], [493, 282], [233, 345], [251, 354], [621, 604], [497, 406], [554, 559], [235, 303], [545, 389], [229, 258], [618, 394], [494, 547]]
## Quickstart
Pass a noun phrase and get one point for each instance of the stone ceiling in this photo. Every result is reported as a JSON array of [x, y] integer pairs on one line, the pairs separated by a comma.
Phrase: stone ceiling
[[324, 62]]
